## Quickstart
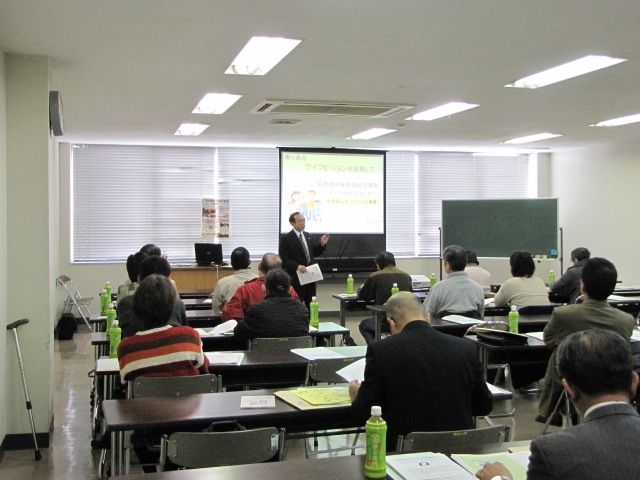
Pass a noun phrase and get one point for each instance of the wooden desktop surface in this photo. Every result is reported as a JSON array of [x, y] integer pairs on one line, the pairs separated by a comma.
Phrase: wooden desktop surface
[[198, 411]]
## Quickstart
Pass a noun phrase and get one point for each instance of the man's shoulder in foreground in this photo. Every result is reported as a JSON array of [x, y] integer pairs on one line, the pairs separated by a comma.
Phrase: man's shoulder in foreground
[[605, 443]]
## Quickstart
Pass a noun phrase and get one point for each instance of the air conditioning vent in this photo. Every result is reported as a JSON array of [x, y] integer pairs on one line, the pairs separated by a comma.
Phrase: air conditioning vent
[[313, 107]]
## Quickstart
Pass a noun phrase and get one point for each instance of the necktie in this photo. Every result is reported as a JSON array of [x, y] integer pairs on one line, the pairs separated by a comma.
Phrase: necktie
[[305, 247]]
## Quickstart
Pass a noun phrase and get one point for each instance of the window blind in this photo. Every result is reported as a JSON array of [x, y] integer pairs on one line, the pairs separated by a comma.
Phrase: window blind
[[126, 196]]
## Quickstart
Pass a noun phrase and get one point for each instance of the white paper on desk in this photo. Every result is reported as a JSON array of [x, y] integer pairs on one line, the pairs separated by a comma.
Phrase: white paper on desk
[[635, 335], [617, 298], [313, 274], [316, 353], [204, 332], [353, 371], [538, 335], [517, 463], [349, 296], [426, 466], [460, 319], [225, 327], [488, 302], [222, 358], [496, 390], [258, 401], [208, 300]]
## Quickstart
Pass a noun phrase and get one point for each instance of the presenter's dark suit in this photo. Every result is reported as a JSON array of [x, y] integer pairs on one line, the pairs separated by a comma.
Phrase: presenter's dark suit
[[605, 445], [292, 254], [424, 380]]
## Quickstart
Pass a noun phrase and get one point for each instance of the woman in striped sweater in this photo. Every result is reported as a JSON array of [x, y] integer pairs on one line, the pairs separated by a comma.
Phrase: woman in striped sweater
[[159, 350]]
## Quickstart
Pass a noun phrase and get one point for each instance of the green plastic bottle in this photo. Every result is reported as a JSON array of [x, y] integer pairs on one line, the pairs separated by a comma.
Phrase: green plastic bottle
[[314, 306], [394, 289], [350, 285], [514, 316], [432, 280], [552, 277], [104, 303], [115, 334], [111, 316], [107, 287], [375, 465]]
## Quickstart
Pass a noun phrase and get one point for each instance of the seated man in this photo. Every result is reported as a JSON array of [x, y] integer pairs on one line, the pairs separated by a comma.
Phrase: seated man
[[567, 287], [598, 280], [133, 269], [227, 286], [278, 315], [158, 349], [377, 287], [596, 370], [457, 294], [423, 379], [129, 322], [253, 290]]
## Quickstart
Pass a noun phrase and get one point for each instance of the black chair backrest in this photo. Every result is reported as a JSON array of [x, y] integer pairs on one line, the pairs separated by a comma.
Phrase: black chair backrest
[[537, 309]]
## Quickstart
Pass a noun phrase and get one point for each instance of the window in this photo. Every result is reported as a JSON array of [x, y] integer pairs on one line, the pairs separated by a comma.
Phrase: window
[[126, 196]]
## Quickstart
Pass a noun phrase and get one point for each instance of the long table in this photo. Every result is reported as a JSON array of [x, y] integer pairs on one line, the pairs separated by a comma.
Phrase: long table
[[349, 467], [222, 342], [226, 342], [195, 412], [526, 324]]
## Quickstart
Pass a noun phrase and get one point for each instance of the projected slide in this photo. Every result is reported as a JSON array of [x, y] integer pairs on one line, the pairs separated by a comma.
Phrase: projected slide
[[337, 191]]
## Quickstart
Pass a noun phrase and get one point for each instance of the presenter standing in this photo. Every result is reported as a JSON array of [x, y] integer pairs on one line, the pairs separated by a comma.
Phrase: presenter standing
[[298, 250]]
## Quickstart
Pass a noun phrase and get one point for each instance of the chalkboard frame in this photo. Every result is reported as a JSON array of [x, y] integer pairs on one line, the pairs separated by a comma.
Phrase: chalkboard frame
[[497, 228]]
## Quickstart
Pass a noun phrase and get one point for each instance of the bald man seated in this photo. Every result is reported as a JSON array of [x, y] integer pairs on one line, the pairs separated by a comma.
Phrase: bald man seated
[[424, 380]]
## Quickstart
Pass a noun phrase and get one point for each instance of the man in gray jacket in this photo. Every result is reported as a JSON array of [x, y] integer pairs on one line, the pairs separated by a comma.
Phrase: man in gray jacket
[[596, 370]]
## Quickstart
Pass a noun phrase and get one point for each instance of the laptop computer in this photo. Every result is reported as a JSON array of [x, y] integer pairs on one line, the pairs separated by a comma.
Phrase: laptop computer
[[208, 254]]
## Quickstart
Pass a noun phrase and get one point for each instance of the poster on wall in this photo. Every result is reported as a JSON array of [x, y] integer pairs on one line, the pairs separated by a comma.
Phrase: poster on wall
[[215, 218]]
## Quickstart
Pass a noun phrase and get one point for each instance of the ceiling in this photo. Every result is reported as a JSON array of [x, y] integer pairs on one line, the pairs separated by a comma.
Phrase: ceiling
[[132, 71]]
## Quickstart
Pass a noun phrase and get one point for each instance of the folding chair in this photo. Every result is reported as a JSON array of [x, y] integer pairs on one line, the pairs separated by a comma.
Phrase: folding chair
[[282, 343], [163, 387], [442, 442], [323, 370], [538, 309], [565, 409], [174, 386], [502, 370], [215, 449], [74, 299]]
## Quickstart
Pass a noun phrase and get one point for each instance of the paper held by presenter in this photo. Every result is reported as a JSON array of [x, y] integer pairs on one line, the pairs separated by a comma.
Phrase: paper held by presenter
[[312, 274]]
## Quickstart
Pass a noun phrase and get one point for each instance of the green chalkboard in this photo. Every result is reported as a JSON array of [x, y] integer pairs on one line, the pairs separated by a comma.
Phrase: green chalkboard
[[496, 228]]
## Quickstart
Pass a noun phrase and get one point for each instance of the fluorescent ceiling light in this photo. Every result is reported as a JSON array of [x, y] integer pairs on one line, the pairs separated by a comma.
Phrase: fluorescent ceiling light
[[216, 103], [371, 133], [531, 138], [260, 55], [583, 65], [191, 129], [443, 111], [614, 122]]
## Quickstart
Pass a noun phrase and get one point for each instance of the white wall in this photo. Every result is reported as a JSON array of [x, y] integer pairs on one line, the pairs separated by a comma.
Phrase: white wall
[[3, 246], [32, 236], [599, 195]]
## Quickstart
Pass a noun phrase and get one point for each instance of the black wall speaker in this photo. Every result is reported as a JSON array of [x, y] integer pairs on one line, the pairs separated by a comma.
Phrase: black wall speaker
[[55, 113]]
